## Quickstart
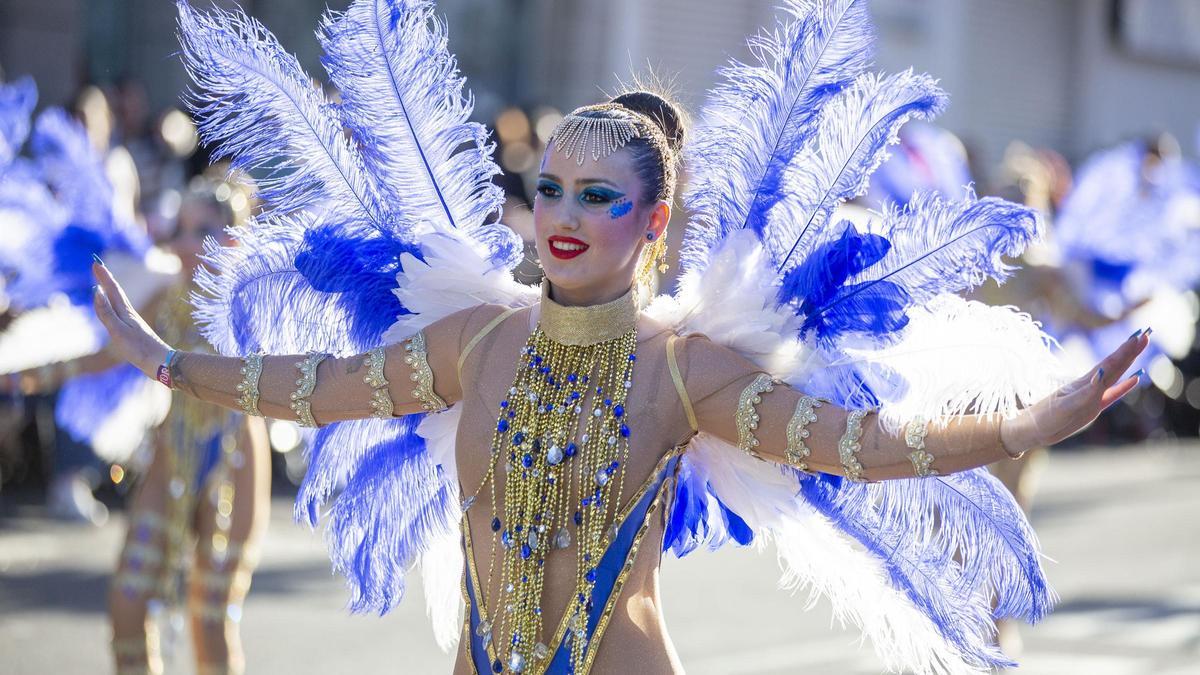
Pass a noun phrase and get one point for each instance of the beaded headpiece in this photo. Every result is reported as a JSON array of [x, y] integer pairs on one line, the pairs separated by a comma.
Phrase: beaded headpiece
[[579, 134]]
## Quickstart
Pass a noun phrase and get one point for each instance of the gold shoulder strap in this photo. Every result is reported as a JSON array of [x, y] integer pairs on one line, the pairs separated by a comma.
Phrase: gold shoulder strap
[[480, 335], [678, 379]]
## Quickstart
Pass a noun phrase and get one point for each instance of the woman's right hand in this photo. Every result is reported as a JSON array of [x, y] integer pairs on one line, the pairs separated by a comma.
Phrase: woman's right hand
[[131, 337]]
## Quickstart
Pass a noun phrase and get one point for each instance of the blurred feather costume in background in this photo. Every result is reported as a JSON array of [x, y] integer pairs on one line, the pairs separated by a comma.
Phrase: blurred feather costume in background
[[57, 212], [1127, 241], [372, 236]]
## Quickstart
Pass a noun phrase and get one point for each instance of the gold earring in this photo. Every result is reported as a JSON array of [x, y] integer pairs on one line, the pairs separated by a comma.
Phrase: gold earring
[[654, 255]]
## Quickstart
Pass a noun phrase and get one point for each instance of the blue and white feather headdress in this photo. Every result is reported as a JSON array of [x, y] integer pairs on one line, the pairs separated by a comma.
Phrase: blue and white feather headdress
[[395, 226]]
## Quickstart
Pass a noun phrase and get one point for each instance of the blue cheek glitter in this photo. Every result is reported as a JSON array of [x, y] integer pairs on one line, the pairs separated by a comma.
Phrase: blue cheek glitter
[[620, 209]]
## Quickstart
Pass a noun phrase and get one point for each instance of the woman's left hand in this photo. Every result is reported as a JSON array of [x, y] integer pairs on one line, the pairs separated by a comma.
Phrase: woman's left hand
[[132, 338], [1076, 405]]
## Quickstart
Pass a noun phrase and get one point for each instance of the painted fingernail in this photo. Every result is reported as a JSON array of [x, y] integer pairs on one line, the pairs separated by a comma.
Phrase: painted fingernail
[[1136, 333], [1098, 376], [1148, 331], [1140, 374], [98, 260]]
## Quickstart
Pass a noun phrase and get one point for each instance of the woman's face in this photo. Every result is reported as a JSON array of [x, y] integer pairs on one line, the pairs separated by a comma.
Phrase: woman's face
[[197, 221], [591, 222]]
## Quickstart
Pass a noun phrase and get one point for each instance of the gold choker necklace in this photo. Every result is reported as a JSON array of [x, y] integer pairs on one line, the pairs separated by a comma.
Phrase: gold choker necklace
[[587, 325]]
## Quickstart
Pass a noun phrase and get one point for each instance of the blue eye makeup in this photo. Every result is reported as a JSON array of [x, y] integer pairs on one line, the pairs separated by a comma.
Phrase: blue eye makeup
[[600, 195], [620, 209], [548, 189]]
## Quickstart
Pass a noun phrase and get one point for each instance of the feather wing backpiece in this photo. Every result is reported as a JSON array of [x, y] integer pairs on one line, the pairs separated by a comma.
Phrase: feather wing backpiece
[[866, 317], [56, 212], [367, 199]]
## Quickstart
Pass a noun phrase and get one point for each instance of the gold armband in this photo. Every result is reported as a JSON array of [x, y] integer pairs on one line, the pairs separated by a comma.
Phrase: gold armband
[[304, 389], [381, 397], [849, 445], [422, 375], [914, 437], [796, 451], [746, 415], [248, 388]]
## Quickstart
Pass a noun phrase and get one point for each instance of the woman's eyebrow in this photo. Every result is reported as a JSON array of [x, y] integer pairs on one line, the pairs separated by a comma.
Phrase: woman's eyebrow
[[549, 176], [595, 181]]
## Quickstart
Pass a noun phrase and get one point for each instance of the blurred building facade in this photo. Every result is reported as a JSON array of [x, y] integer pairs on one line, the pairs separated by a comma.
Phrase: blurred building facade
[[1058, 73]]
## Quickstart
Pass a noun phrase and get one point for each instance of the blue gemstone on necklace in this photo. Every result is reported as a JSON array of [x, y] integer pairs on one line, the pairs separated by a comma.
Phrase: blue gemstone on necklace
[[544, 369], [572, 377], [495, 524], [633, 357], [607, 401], [624, 431], [574, 395], [549, 407], [578, 518], [502, 426], [518, 438], [526, 551], [503, 404], [591, 576], [618, 410], [506, 539], [571, 449], [527, 460], [497, 667], [537, 360]]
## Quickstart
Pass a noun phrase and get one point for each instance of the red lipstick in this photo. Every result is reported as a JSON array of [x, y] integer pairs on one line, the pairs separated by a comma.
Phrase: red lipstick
[[565, 248]]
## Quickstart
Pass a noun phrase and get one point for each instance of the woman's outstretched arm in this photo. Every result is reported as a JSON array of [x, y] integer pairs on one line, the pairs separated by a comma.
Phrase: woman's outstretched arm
[[736, 402], [412, 376]]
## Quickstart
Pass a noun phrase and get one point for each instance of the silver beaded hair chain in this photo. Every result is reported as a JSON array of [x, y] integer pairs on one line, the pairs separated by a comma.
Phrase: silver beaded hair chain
[[578, 135]]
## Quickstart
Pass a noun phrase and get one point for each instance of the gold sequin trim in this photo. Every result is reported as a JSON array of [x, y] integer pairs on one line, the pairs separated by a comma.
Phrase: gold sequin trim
[[304, 389], [587, 325], [416, 356], [796, 451], [248, 388], [849, 445], [375, 362], [381, 398], [914, 437], [746, 416]]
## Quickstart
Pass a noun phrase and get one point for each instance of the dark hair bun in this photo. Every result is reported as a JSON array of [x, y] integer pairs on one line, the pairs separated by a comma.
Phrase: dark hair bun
[[666, 114]]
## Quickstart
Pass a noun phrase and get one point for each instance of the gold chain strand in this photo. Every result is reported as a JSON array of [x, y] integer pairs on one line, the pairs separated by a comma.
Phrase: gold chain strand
[[914, 437], [561, 446]]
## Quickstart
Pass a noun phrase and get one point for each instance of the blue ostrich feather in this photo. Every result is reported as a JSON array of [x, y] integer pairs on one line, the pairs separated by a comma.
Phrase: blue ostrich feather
[[402, 99], [17, 101], [255, 105], [850, 142], [756, 121], [394, 503], [699, 518], [822, 281], [300, 283], [953, 544], [60, 207]]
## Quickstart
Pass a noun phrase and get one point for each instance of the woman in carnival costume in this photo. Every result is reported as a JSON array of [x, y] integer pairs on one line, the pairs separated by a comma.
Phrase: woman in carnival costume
[[807, 384], [199, 510]]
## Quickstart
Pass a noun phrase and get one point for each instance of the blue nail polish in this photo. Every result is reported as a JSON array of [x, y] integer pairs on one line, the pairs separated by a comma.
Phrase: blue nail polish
[[1140, 374], [1148, 331], [98, 260], [1136, 333], [1100, 374]]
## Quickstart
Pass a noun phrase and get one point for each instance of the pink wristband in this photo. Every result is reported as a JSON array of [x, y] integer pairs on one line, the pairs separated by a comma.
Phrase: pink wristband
[[164, 370]]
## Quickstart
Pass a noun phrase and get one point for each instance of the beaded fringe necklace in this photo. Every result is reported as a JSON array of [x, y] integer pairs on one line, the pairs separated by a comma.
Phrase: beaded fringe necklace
[[562, 443]]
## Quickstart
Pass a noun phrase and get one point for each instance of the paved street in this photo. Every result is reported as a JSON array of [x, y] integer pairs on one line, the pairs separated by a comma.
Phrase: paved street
[[1123, 526]]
